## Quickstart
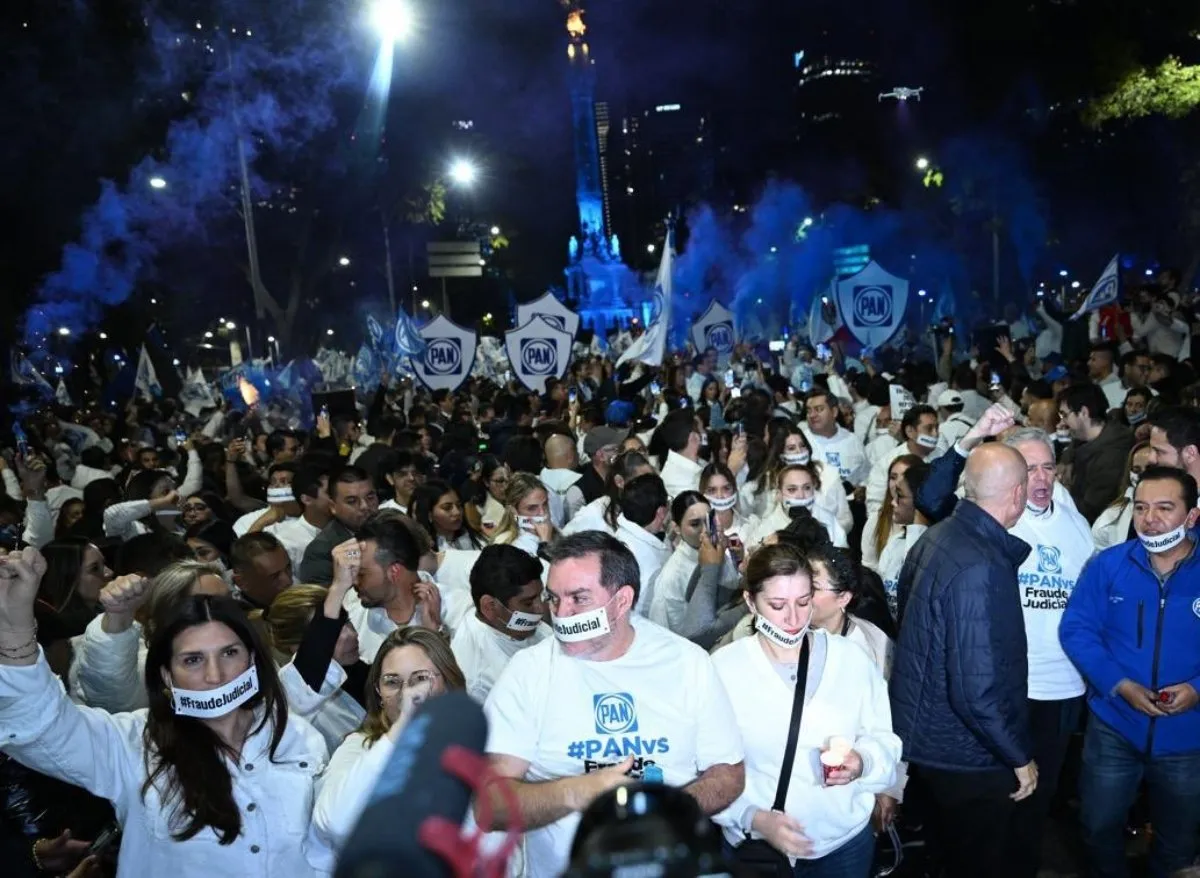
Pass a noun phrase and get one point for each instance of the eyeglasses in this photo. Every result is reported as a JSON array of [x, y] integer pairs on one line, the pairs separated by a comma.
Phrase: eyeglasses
[[394, 683]]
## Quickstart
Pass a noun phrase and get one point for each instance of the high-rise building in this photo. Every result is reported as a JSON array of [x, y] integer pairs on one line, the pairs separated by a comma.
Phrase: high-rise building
[[667, 163]]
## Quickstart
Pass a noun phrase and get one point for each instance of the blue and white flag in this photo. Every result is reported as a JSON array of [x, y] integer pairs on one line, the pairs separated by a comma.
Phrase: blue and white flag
[[1106, 290], [823, 320], [409, 341], [195, 395], [715, 329], [651, 346], [366, 368], [146, 382], [25, 374], [375, 335]]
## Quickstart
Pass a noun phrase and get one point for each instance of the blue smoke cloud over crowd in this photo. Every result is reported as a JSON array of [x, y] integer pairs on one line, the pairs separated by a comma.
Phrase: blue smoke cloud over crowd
[[240, 79], [769, 261]]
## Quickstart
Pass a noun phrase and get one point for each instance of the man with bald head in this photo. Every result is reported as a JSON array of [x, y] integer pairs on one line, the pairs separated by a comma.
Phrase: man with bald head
[[959, 682], [560, 477]]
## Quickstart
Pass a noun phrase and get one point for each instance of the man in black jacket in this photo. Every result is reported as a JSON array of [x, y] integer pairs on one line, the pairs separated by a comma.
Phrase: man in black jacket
[[1101, 448], [959, 682]]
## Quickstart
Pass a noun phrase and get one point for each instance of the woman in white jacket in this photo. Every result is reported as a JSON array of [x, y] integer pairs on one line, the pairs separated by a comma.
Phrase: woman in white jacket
[[799, 485], [908, 525], [790, 447], [1112, 527], [152, 501], [827, 813], [719, 487], [213, 778], [412, 665], [668, 602]]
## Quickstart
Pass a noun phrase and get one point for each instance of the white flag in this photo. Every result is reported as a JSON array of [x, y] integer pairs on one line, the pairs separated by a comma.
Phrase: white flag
[[651, 347], [147, 379], [1105, 291], [61, 395]]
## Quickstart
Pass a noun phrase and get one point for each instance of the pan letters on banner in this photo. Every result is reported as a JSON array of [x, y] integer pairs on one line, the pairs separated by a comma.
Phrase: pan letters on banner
[[538, 351], [449, 354], [872, 304]]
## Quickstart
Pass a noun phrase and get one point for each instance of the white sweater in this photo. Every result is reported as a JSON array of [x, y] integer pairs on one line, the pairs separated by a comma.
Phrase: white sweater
[[851, 701], [778, 519]]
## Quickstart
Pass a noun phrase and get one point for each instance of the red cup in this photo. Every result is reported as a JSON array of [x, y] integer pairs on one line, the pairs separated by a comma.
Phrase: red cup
[[831, 761]]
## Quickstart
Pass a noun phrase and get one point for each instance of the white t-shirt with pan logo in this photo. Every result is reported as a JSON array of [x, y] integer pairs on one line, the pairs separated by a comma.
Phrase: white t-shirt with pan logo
[[661, 703]]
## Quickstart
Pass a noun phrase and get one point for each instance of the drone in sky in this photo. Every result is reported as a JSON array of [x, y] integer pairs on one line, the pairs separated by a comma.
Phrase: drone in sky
[[903, 93]]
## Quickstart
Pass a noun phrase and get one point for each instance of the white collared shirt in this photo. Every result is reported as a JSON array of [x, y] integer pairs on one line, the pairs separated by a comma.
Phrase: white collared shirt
[[680, 474], [294, 535]]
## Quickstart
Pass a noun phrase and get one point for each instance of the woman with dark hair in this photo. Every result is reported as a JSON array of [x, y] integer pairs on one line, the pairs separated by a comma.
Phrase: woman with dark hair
[[880, 524], [70, 519], [203, 507], [151, 504], [412, 666], [487, 507], [97, 497], [211, 542], [713, 398], [436, 508], [68, 596], [668, 602], [789, 446], [211, 779]]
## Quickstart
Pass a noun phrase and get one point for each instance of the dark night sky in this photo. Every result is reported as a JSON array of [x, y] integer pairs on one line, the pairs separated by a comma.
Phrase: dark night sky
[[71, 90]]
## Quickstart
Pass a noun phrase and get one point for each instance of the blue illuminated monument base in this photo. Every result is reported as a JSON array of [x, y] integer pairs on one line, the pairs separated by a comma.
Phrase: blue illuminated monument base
[[603, 291]]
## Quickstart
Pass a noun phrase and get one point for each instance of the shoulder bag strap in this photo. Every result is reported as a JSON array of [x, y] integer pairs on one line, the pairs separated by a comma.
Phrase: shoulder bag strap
[[789, 751]]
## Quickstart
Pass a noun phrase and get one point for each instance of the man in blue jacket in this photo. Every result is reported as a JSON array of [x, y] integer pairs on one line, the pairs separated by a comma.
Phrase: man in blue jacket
[[959, 682], [1132, 627]]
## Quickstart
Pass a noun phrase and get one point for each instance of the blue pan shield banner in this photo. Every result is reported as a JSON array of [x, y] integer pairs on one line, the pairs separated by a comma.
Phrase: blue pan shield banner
[[538, 351]]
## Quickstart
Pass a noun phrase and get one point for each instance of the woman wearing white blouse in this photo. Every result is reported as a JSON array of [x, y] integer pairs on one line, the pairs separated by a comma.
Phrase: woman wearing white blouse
[[824, 828], [799, 485], [213, 778]]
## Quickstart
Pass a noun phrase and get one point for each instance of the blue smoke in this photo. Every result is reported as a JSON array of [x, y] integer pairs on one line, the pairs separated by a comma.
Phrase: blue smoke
[[768, 263], [267, 82]]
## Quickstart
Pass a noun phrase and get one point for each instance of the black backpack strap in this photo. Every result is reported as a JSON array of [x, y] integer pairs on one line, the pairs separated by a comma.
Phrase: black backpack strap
[[789, 751]]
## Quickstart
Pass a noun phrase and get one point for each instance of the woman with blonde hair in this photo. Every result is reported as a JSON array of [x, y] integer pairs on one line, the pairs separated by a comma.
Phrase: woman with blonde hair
[[879, 524], [526, 520], [412, 665]]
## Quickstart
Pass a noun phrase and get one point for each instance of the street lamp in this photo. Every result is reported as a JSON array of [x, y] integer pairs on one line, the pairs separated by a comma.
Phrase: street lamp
[[393, 20], [208, 334], [1063, 273], [329, 332], [344, 261], [104, 336], [650, 248], [64, 330], [922, 164], [231, 325], [158, 183], [495, 231], [424, 303], [921, 293], [1074, 284], [463, 172]]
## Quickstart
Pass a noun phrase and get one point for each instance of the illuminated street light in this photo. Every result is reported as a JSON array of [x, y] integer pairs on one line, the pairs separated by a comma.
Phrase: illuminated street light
[[921, 293], [1063, 273], [344, 261], [329, 332], [483, 262], [495, 231], [808, 221], [271, 339], [393, 20], [104, 336], [158, 183], [922, 164], [208, 334], [650, 248], [463, 172], [1074, 284], [487, 318], [424, 303], [774, 249], [64, 330]]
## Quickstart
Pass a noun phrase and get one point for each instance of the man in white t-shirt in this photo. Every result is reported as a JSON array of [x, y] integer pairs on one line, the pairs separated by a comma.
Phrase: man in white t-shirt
[[506, 588], [610, 695], [919, 429], [1061, 544], [832, 444]]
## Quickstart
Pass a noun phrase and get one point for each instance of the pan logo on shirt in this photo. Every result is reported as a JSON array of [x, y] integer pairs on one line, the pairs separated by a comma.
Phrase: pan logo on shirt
[[834, 459], [615, 713], [1196, 608], [1049, 560], [615, 718]]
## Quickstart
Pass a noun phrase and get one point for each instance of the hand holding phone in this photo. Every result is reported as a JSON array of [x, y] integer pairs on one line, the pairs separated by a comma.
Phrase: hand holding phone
[[713, 528]]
